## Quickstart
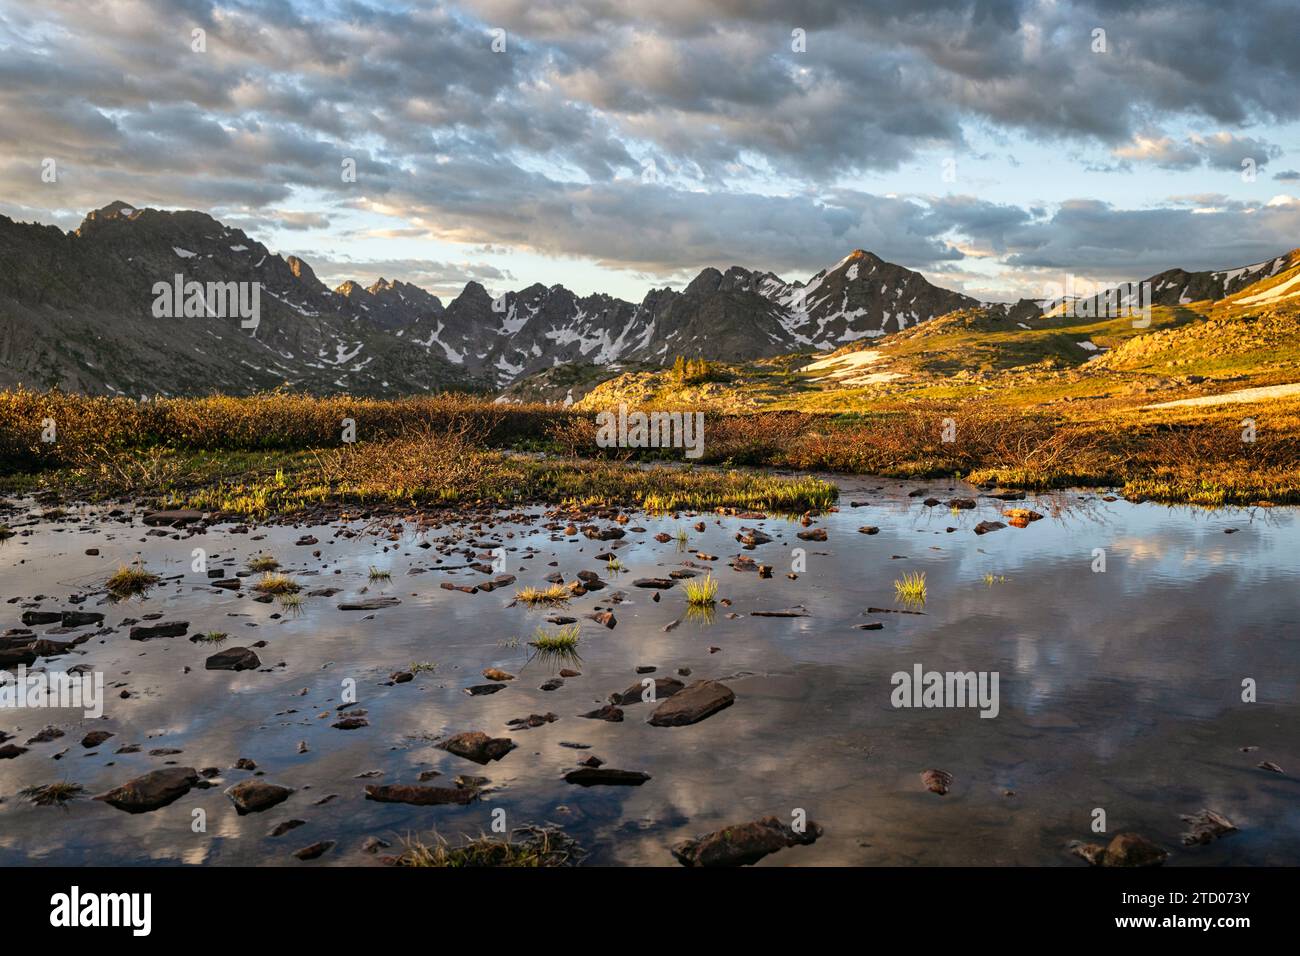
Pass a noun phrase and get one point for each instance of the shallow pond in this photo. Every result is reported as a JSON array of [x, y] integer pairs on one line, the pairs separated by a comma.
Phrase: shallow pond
[[1120, 690]]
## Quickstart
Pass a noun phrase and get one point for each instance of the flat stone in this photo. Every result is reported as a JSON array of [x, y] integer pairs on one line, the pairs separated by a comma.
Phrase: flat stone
[[419, 796], [152, 790], [695, 702]]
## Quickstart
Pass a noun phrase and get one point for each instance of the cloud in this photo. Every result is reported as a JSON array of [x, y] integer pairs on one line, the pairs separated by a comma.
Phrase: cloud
[[1218, 151], [765, 149]]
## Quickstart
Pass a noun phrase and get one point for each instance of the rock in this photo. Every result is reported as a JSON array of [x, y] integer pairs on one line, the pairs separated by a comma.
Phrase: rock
[[477, 746], [496, 674], [152, 790], [604, 617], [1270, 767], [233, 659], [695, 702], [45, 735], [350, 723], [173, 518], [532, 720], [13, 656], [656, 583], [314, 850], [608, 712], [374, 845], [555, 683], [9, 751], [937, 781], [869, 529], [229, 584], [147, 632], [984, 527], [964, 504], [1125, 850], [798, 611], [284, 826], [254, 796], [815, 534], [306, 541], [81, 618], [1206, 826], [419, 796], [370, 604], [40, 618], [744, 843], [663, 687], [95, 738], [606, 777], [606, 534], [478, 690]]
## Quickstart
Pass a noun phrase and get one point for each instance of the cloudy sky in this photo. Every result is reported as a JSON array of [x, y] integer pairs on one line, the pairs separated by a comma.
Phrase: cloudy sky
[[615, 146]]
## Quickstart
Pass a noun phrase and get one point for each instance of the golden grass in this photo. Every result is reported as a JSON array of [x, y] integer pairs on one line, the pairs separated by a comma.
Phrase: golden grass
[[911, 587], [130, 579], [702, 592], [556, 594], [274, 583]]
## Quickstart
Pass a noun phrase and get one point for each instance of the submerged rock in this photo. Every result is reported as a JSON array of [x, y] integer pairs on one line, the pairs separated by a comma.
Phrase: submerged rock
[[937, 781], [744, 843], [663, 687], [152, 790]]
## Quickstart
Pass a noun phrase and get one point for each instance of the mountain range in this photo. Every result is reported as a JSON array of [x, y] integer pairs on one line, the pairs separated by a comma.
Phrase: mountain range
[[77, 313]]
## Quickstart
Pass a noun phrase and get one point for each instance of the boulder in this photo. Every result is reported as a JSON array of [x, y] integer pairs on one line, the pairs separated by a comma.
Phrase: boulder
[[152, 790], [254, 796], [233, 659], [744, 843], [477, 746]]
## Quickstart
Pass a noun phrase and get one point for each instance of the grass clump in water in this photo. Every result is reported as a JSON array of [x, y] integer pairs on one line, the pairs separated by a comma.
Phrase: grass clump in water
[[211, 637], [53, 794], [536, 847], [378, 575], [130, 579], [263, 563], [273, 583], [555, 594], [702, 592], [911, 587]]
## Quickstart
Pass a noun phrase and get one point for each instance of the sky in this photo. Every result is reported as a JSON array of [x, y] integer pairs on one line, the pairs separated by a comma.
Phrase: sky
[[613, 146]]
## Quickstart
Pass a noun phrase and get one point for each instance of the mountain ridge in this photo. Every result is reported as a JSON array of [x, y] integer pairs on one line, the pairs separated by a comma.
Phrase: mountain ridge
[[76, 314]]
